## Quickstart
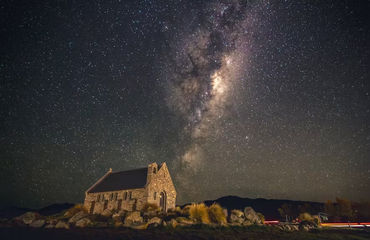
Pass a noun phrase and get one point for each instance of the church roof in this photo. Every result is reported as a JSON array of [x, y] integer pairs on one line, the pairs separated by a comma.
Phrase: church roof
[[115, 181]]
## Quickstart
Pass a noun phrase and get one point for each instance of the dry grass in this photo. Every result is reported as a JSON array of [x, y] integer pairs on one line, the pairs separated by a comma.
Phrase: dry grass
[[199, 213], [216, 214]]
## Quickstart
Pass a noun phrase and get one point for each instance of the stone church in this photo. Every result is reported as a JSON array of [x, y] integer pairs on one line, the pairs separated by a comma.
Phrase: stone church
[[131, 190]]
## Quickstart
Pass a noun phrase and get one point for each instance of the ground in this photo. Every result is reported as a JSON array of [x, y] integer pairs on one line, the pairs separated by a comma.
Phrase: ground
[[189, 233]]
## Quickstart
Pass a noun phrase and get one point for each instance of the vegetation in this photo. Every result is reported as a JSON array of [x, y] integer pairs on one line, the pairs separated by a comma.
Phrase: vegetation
[[199, 213], [216, 214]]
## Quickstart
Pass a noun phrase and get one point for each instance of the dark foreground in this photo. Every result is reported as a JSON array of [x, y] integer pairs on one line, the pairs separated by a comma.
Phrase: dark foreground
[[193, 233]]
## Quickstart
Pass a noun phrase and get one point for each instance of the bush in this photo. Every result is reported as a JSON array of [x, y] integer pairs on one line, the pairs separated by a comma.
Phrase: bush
[[199, 213], [305, 217], [216, 214], [150, 207]]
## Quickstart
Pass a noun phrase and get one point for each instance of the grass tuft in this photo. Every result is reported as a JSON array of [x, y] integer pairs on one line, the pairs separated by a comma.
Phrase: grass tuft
[[199, 213], [216, 214]]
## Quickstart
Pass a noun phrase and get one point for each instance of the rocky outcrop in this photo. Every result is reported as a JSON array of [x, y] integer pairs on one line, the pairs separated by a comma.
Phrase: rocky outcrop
[[251, 216], [38, 223], [236, 217], [28, 217], [62, 224], [77, 217], [133, 218], [154, 222], [84, 222]]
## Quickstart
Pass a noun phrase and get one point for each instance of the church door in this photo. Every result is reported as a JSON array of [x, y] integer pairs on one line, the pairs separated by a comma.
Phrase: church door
[[92, 207], [162, 201]]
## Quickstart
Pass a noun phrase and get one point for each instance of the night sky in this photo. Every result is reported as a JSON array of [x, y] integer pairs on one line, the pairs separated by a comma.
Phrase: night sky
[[256, 99]]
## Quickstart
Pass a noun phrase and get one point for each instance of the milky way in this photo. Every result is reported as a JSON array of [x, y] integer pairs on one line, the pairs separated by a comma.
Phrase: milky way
[[251, 98]]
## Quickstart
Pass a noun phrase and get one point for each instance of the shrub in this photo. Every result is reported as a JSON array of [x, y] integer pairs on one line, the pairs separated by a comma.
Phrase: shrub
[[305, 217], [260, 215], [150, 207], [199, 213], [216, 214], [75, 209]]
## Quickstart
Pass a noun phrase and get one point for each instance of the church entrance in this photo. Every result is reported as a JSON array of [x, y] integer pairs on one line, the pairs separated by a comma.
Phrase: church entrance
[[163, 201]]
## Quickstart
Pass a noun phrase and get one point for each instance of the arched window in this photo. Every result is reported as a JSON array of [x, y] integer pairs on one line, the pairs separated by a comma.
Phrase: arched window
[[111, 196], [98, 198], [125, 196], [155, 195], [115, 196]]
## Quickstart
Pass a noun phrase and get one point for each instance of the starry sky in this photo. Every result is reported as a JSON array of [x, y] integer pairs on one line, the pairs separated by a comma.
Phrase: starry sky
[[250, 98]]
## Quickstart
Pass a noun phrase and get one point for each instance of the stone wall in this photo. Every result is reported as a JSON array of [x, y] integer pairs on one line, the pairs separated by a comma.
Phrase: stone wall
[[136, 202], [159, 180]]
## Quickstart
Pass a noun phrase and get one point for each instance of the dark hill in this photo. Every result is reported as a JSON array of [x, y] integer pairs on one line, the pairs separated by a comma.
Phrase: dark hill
[[268, 207], [11, 212]]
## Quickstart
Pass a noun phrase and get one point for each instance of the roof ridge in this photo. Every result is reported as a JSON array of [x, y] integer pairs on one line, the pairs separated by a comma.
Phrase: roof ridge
[[130, 170]]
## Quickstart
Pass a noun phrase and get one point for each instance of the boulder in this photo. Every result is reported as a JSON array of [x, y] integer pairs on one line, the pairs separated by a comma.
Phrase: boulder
[[173, 223], [62, 224], [251, 216], [38, 223], [237, 216], [77, 216], [84, 222], [154, 222], [107, 213], [141, 226], [133, 218], [28, 217]]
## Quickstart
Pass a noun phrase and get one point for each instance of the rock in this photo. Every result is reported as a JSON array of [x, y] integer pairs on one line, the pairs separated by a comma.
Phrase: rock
[[107, 213], [237, 216], [38, 223], [133, 218], [62, 224], [247, 223], [28, 217], [173, 223], [251, 215], [77, 216], [155, 220], [84, 222], [141, 226], [225, 212]]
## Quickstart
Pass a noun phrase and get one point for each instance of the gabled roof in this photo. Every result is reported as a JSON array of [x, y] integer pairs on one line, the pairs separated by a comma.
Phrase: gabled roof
[[115, 181]]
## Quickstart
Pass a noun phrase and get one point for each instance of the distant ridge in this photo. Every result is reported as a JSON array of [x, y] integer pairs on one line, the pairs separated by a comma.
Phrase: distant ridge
[[11, 212], [268, 207]]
